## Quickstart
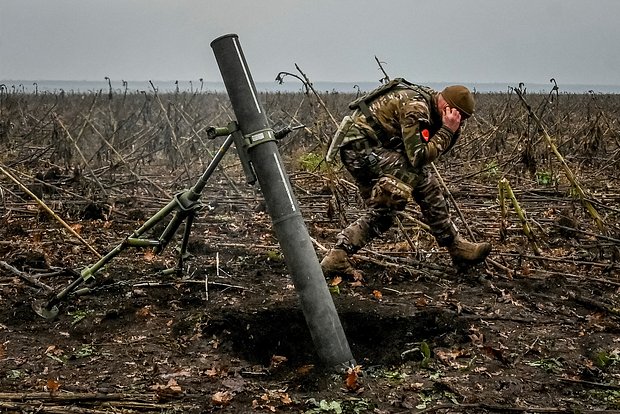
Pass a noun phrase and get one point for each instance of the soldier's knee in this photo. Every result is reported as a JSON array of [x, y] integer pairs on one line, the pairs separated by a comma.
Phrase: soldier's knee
[[390, 192]]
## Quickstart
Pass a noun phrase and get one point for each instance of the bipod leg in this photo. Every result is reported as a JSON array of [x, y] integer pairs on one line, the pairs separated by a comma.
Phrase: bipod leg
[[183, 254], [49, 310], [187, 202]]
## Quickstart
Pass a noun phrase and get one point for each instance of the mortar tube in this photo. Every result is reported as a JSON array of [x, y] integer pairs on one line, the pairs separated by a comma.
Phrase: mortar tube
[[315, 299]]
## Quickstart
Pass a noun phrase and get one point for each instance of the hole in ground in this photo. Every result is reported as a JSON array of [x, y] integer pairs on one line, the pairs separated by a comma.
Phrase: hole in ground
[[375, 337]]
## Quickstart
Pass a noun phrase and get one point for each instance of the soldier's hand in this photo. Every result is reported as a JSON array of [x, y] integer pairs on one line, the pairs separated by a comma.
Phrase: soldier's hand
[[451, 118]]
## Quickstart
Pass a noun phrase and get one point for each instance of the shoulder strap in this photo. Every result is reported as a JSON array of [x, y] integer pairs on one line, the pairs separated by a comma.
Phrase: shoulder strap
[[425, 91], [362, 103], [365, 99]]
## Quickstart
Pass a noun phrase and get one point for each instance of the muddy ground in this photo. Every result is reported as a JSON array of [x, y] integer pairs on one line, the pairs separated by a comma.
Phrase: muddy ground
[[524, 332]]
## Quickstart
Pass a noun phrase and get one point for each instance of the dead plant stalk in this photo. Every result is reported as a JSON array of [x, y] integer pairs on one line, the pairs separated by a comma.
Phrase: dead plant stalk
[[506, 190], [569, 174]]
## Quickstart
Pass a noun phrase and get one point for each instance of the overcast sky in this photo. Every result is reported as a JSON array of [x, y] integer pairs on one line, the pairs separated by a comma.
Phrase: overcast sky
[[573, 41]]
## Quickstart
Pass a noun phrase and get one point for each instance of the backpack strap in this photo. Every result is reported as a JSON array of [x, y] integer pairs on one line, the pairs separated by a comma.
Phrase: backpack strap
[[362, 103], [367, 97], [372, 121]]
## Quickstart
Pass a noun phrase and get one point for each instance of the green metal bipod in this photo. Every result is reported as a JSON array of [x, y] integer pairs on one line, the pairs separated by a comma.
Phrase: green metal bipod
[[185, 205]]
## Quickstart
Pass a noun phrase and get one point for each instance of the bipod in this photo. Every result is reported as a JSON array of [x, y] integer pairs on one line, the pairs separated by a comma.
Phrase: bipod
[[185, 205]]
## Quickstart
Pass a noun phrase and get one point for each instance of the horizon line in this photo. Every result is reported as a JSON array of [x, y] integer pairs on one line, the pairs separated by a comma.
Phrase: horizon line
[[104, 80]]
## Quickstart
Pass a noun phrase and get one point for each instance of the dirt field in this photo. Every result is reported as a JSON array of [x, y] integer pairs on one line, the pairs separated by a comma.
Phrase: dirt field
[[535, 329]]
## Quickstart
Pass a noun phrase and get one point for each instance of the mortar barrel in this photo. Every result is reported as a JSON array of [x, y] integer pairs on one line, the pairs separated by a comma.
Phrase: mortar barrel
[[316, 302]]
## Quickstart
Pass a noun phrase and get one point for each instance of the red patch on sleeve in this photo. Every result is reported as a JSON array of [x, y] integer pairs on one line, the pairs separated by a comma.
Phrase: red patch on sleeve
[[425, 135]]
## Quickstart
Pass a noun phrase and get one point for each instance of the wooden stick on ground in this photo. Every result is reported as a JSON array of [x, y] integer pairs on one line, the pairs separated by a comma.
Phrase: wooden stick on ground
[[33, 281]]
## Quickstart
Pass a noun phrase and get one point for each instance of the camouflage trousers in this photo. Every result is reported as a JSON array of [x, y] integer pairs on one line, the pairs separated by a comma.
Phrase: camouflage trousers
[[383, 177]]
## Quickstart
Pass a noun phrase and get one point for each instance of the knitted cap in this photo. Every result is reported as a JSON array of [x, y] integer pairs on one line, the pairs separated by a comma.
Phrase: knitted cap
[[459, 97]]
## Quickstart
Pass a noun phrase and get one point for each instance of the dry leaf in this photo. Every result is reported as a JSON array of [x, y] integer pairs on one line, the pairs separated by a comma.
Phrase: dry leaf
[[335, 281], [268, 398], [496, 353], [174, 386], [52, 385], [277, 360], [221, 398], [257, 406], [144, 312], [212, 372], [448, 357], [358, 276], [286, 400], [351, 381], [421, 302], [305, 369], [52, 350], [171, 389]]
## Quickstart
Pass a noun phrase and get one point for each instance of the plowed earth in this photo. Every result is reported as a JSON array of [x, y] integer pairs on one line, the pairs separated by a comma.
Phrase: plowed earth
[[526, 334]]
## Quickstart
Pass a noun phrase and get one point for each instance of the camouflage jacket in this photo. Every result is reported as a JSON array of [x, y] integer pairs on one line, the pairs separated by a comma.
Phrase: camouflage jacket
[[412, 117]]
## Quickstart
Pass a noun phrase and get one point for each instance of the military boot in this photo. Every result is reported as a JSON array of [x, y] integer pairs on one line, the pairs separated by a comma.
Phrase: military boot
[[465, 253], [337, 262]]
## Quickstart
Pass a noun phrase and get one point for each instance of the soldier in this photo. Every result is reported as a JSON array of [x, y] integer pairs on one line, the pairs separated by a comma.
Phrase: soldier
[[394, 135]]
